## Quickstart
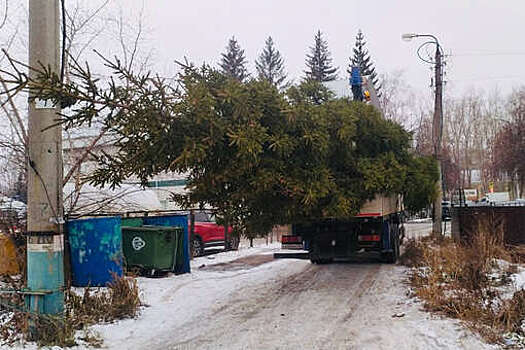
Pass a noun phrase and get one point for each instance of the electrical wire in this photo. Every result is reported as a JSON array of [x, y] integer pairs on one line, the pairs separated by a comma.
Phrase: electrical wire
[[489, 54], [33, 166], [425, 44]]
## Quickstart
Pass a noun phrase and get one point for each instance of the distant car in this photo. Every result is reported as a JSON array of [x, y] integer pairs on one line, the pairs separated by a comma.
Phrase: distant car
[[519, 202], [445, 211], [207, 234]]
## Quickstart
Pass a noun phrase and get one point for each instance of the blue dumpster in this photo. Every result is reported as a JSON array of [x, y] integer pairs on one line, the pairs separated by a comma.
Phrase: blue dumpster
[[96, 250], [175, 220]]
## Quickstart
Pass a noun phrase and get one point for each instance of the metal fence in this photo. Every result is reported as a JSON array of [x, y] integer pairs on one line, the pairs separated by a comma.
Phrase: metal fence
[[505, 220]]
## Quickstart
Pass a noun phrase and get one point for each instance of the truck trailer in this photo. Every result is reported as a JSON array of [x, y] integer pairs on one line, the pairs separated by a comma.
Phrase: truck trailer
[[377, 228]]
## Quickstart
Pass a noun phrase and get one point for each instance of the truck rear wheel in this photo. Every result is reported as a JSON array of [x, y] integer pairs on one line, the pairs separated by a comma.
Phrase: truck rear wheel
[[326, 261], [314, 253], [391, 257]]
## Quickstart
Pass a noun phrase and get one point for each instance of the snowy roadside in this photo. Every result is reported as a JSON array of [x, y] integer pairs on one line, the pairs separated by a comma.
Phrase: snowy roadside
[[370, 306], [169, 298], [388, 318], [180, 302], [243, 251]]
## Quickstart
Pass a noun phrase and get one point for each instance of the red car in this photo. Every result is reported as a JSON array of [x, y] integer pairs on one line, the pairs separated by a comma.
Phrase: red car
[[207, 234]]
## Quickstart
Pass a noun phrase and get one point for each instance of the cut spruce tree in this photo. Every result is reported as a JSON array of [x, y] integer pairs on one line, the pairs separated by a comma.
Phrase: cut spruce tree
[[259, 156], [319, 65]]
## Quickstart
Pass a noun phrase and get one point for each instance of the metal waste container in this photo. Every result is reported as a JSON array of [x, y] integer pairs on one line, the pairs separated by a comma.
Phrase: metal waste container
[[152, 249], [175, 220], [96, 250], [133, 222]]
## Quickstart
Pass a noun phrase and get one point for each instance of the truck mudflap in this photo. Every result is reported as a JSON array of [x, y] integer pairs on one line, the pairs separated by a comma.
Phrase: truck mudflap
[[391, 241]]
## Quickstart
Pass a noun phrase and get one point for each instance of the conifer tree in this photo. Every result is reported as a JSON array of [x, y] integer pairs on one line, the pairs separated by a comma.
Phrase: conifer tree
[[319, 61], [270, 65], [233, 62], [361, 59]]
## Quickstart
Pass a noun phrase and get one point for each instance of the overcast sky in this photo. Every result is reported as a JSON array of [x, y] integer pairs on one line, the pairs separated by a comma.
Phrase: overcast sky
[[485, 38]]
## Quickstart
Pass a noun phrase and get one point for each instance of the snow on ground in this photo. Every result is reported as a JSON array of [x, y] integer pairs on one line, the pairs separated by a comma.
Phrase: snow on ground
[[246, 300], [518, 279], [419, 221], [387, 318], [244, 250], [177, 300]]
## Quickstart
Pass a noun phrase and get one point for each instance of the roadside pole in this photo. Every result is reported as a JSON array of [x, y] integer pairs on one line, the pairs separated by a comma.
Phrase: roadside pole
[[437, 131], [437, 123], [45, 247]]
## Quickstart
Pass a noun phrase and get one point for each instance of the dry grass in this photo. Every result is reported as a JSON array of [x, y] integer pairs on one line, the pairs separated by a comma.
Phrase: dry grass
[[457, 281], [120, 300], [413, 254]]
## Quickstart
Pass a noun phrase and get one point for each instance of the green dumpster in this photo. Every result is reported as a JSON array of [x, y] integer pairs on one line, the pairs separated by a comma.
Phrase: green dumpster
[[152, 250], [132, 222]]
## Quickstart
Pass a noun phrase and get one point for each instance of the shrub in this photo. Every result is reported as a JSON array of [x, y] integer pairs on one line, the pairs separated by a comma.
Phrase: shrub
[[120, 300], [457, 280]]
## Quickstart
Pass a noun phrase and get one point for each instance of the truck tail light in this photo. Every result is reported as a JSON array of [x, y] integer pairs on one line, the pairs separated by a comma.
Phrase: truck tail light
[[372, 238], [291, 239]]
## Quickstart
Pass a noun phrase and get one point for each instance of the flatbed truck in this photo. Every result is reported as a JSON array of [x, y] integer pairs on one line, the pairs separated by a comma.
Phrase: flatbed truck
[[377, 228]]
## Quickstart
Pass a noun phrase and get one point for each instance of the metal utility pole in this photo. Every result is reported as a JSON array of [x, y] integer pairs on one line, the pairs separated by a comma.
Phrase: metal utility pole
[[437, 132], [45, 247]]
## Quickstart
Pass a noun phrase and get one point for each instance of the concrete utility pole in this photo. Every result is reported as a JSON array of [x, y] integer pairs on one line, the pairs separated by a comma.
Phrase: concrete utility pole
[[437, 133], [45, 247], [437, 122]]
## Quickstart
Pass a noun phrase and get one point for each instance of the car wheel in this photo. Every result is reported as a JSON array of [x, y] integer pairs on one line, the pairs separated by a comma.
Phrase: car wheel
[[197, 248], [232, 243]]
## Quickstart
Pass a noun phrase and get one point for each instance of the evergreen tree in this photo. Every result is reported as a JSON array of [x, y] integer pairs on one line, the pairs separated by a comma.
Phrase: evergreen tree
[[319, 61], [270, 65], [362, 60], [233, 62], [260, 157]]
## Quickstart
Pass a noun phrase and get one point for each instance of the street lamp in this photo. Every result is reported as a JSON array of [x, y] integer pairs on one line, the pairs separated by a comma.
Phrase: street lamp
[[408, 36], [437, 122]]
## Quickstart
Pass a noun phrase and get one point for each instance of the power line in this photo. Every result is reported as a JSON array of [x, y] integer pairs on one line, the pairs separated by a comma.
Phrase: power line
[[489, 78], [487, 54]]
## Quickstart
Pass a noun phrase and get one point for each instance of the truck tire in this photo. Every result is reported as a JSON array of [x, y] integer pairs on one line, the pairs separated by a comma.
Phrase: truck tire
[[314, 253], [391, 257], [326, 261]]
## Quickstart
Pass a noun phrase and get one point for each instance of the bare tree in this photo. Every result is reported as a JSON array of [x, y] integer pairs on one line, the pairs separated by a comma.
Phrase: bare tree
[[87, 23], [509, 143], [400, 102]]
